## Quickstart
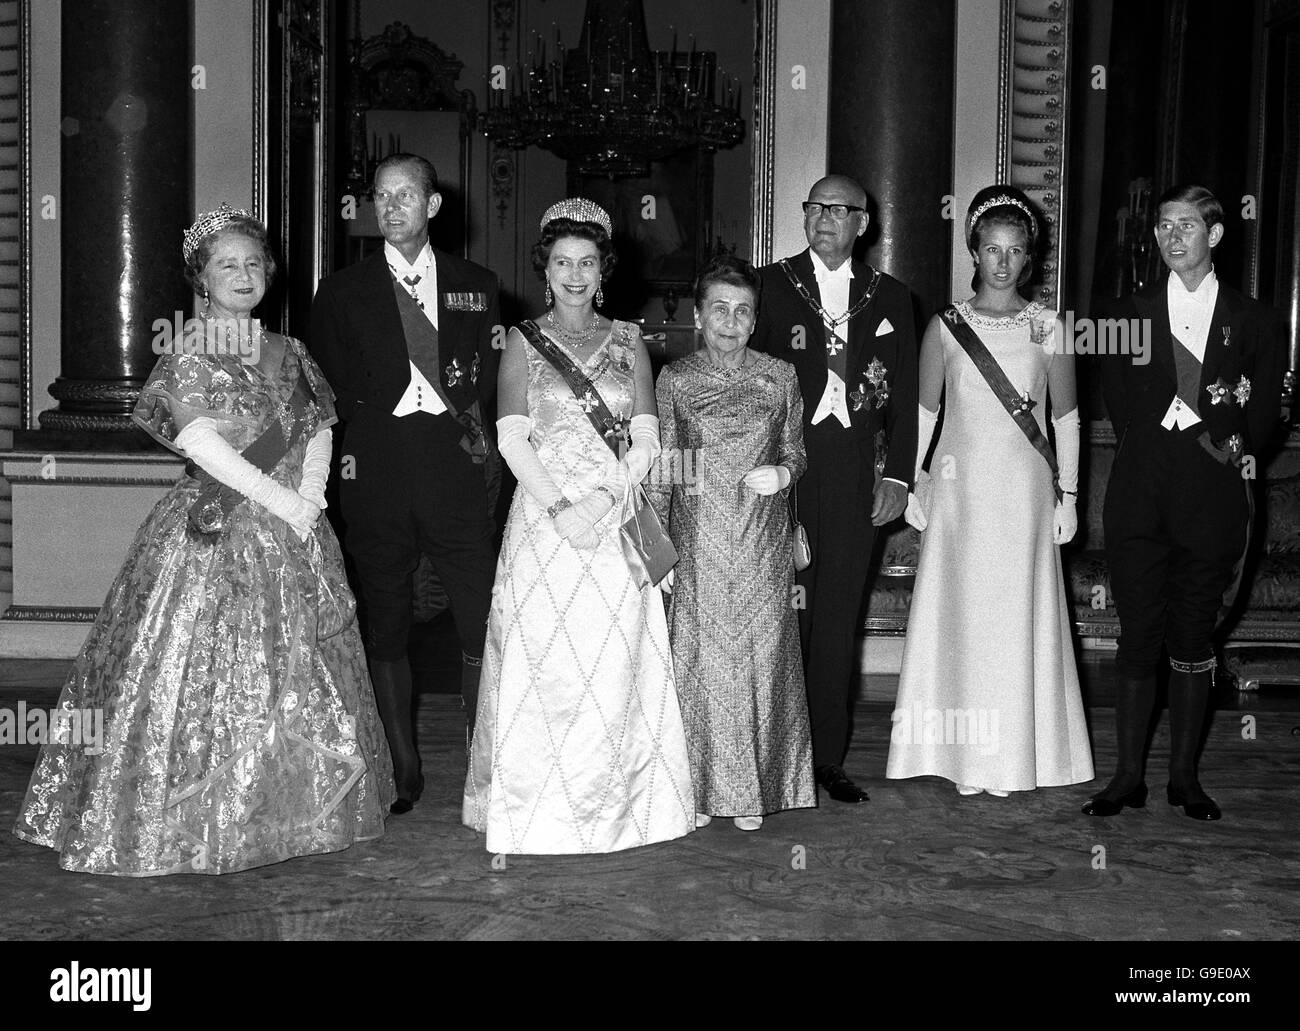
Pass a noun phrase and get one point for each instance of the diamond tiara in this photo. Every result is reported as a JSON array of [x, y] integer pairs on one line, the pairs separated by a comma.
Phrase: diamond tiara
[[999, 201], [579, 209], [209, 224]]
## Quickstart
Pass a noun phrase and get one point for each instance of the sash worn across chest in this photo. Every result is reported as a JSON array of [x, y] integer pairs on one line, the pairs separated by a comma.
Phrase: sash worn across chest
[[422, 348], [1188, 370], [612, 430], [421, 341], [1019, 408]]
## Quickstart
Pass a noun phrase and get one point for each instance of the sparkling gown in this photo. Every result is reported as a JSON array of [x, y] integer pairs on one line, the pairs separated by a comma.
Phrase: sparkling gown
[[232, 736], [989, 693], [579, 744], [733, 623]]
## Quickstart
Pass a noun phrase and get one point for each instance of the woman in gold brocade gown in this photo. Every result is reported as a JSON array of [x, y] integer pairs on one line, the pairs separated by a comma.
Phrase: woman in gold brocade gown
[[239, 724]]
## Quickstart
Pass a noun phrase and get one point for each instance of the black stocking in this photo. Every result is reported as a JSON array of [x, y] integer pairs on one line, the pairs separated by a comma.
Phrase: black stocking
[[470, 671], [392, 680]]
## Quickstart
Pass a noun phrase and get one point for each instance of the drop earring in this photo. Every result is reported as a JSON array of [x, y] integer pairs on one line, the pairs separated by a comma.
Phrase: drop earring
[[550, 300], [600, 296], [207, 302]]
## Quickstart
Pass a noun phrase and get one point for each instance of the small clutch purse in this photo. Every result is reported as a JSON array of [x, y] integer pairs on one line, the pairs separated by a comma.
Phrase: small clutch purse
[[802, 549], [647, 548]]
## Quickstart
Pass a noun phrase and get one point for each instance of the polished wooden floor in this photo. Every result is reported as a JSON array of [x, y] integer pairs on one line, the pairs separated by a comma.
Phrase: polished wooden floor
[[917, 862]]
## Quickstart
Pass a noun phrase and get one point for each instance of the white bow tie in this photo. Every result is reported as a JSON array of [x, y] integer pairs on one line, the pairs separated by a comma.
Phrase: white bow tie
[[839, 275]]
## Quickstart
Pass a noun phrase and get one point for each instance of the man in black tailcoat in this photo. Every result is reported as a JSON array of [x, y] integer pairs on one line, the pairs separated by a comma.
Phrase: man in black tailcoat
[[405, 338], [1192, 421], [849, 331]]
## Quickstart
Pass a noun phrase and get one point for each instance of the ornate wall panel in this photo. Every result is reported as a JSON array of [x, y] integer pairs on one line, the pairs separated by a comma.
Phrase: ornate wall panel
[[1033, 100]]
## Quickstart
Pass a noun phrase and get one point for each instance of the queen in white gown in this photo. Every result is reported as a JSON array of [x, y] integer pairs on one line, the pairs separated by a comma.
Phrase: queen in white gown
[[579, 745], [989, 694]]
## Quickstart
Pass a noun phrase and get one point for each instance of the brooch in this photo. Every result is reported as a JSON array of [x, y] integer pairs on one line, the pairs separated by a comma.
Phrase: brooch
[[210, 517], [878, 396], [454, 373], [473, 371], [587, 402], [1025, 405], [1221, 393], [618, 428], [621, 355]]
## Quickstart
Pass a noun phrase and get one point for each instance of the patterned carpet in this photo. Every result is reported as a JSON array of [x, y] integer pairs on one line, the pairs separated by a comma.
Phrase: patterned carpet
[[917, 862]]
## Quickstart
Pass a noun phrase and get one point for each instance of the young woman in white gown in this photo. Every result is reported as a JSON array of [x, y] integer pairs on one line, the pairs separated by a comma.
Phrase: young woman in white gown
[[989, 694], [579, 745]]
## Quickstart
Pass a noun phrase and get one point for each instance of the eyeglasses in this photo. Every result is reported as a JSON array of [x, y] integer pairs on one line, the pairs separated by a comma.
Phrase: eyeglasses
[[839, 212]]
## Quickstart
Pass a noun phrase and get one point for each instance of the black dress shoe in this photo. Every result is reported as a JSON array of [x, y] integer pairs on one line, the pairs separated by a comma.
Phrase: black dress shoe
[[838, 786], [1206, 810], [405, 803], [1099, 805]]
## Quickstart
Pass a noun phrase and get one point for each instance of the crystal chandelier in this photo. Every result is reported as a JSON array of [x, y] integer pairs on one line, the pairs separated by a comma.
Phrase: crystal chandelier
[[612, 106]]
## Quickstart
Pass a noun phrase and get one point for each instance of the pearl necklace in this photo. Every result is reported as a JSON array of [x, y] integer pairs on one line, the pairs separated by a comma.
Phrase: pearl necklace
[[230, 338], [574, 338]]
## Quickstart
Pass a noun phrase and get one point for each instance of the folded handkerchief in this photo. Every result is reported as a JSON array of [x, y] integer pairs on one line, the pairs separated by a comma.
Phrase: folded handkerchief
[[885, 327]]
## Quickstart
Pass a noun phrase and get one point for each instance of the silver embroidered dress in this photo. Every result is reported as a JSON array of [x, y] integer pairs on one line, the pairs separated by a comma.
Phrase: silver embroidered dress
[[733, 623], [579, 744], [233, 736]]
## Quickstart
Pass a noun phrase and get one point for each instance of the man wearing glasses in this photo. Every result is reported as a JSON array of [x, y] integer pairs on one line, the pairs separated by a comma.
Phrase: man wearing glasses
[[1192, 424], [849, 332]]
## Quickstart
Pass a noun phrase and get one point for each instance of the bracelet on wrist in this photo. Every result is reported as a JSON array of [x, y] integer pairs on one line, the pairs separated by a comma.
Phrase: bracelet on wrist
[[558, 507]]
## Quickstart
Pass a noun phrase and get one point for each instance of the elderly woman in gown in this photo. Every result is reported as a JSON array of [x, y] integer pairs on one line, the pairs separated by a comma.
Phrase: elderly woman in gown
[[240, 726], [731, 421]]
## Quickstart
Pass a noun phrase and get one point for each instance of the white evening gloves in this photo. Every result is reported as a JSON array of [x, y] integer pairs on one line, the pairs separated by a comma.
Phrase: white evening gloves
[[631, 470], [316, 468], [571, 524], [1066, 523], [767, 479], [513, 432], [917, 513], [1066, 518], [203, 444], [640, 456], [576, 521]]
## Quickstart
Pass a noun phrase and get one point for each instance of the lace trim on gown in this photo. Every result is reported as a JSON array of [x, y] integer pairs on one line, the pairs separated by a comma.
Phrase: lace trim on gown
[[1022, 317]]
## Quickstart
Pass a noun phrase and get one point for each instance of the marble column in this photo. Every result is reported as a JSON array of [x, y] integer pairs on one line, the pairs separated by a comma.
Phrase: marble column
[[83, 483], [890, 127], [126, 196]]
